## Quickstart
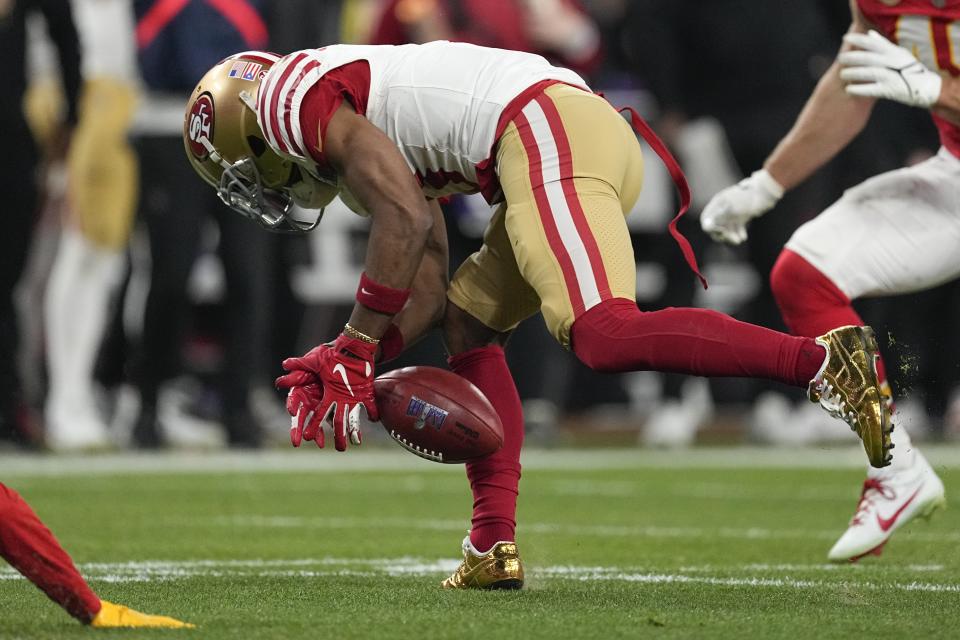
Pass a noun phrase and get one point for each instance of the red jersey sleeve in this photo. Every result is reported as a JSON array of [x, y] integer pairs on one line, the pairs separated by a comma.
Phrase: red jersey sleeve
[[350, 82]]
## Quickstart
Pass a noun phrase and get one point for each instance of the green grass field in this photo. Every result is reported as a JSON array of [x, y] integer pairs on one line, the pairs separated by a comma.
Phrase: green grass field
[[310, 544]]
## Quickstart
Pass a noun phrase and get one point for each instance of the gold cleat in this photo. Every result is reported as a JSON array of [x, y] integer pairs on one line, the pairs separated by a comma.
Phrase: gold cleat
[[846, 386], [499, 568], [116, 615]]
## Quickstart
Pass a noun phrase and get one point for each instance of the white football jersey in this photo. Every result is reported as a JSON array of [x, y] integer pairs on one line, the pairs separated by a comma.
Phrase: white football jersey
[[440, 102]]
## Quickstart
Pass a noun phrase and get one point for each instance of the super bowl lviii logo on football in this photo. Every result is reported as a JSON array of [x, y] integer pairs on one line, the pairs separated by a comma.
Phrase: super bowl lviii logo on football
[[426, 413], [200, 125]]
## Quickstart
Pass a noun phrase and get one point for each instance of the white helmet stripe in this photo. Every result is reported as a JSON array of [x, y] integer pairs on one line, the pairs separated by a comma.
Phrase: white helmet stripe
[[312, 77], [283, 105], [269, 88]]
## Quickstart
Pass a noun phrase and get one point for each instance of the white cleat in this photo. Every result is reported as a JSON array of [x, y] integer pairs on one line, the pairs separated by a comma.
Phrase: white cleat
[[886, 504], [75, 427]]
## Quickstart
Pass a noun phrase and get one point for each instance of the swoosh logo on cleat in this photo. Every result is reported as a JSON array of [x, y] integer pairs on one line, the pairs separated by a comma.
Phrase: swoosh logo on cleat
[[886, 523]]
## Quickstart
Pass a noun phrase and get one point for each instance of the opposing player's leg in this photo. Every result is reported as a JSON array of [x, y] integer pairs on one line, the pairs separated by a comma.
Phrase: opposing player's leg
[[32, 550], [487, 298], [570, 167], [866, 245]]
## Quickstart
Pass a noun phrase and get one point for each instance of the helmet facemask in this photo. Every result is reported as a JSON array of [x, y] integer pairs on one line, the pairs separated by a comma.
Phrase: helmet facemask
[[241, 188]]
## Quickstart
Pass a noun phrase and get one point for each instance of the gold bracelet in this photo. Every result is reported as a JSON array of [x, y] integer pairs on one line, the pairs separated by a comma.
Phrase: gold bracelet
[[359, 335]]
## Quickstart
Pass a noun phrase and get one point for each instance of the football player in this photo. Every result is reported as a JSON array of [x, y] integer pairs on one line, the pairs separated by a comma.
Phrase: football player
[[102, 176], [895, 233], [32, 550], [393, 128]]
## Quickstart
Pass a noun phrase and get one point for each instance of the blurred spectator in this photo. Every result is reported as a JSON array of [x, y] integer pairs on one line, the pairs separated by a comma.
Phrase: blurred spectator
[[175, 49], [102, 186], [19, 174], [303, 24], [557, 29], [751, 65]]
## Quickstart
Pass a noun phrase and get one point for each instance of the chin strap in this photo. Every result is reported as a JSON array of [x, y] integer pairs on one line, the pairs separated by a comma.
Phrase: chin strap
[[679, 181], [212, 150]]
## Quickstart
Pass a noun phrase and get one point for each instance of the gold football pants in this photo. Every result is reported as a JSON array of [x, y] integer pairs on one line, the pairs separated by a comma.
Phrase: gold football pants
[[102, 167], [571, 168]]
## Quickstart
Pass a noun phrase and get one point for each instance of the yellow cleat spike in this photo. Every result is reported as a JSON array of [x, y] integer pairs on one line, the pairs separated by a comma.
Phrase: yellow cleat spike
[[499, 568], [113, 616]]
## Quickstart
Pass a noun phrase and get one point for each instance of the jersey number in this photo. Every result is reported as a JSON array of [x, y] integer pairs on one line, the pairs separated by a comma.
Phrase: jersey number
[[932, 40]]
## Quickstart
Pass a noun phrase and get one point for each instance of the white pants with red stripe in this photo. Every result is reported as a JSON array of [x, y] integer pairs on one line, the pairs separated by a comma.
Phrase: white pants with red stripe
[[898, 232]]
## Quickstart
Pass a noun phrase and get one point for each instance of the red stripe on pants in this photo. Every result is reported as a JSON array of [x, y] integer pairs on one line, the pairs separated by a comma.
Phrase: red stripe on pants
[[571, 196], [535, 163], [32, 550]]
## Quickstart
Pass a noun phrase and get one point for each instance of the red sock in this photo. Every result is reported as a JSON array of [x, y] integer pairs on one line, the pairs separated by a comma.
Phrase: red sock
[[811, 304], [616, 336], [494, 479], [32, 550]]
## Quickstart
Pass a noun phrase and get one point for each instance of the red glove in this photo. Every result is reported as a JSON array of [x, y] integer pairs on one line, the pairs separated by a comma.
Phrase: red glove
[[343, 371], [303, 396]]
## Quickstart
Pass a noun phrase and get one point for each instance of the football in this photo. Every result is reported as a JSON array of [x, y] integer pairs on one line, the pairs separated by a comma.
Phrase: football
[[437, 415]]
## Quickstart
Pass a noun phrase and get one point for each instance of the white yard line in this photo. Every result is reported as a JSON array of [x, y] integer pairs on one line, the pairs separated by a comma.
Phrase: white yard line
[[394, 459], [165, 571], [714, 490], [546, 528]]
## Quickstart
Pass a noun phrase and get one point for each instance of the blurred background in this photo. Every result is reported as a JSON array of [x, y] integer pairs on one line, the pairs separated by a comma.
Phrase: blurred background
[[137, 311]]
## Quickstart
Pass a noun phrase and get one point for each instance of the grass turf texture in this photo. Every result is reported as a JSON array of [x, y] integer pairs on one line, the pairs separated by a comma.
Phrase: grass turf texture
[[621, 547]]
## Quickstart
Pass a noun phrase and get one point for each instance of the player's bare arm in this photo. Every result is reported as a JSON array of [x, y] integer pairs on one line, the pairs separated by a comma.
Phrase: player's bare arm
[[428, 295], [372, 169], [370, 166]]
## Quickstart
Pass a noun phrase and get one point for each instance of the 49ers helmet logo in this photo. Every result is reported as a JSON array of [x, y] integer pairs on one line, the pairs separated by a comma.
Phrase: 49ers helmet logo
[[200, 125]]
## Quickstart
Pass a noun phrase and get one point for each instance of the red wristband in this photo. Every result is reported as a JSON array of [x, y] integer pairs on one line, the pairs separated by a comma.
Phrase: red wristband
[[391, 343], [382, 298]]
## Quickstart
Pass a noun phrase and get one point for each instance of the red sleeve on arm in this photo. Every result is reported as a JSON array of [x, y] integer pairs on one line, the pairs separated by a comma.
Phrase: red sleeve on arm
[[350, 82]]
